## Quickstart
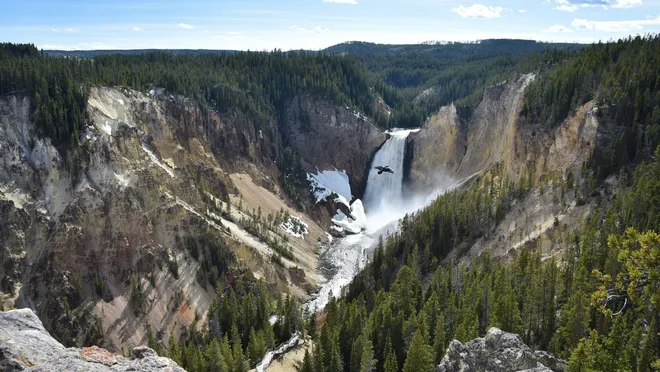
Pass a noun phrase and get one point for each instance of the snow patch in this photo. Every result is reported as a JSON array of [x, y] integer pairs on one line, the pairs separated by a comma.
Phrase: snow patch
[[155, 160], [122, 180], [295, 227], [399, 132], [326, 183], [268, 358], [529, 78], [354, 224], [107, 129]]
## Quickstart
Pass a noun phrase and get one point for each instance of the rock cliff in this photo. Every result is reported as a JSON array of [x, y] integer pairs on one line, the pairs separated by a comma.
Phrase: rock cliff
[[498, 133], [156, 174], [498, 351], [26, 346], [328, 136]]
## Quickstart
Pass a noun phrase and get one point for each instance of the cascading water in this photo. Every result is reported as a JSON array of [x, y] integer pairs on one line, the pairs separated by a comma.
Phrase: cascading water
[[383, 204], [386, 188], [383, 207]]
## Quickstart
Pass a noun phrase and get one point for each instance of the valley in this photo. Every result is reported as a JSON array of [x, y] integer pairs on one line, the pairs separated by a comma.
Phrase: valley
[[233, 218]]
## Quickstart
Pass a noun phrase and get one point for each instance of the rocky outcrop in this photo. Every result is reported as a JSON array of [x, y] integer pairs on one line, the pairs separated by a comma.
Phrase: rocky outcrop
[[155, 173], [26, 346], [493, 125], [327, 136], [498, 351], [453, 146], [450, 145], [437, 149]]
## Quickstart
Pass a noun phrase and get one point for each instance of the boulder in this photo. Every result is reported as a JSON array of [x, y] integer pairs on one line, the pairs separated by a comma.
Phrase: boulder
[[26, 346], [498, 351]]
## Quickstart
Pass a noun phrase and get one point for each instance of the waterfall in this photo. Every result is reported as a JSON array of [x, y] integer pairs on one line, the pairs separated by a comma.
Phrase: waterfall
[[385, 190], [386, 187]]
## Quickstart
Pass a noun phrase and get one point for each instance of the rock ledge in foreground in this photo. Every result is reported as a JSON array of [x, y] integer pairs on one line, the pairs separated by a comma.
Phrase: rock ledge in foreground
[[26, 346], [498, 351]]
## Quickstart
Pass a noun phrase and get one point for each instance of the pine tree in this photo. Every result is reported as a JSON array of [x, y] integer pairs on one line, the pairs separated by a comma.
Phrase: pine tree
[[239, 363], [307, 365], [173, 349], [650, 347], [391, 364], [215, 360], [440, 344], [151, 341], [419, 357]]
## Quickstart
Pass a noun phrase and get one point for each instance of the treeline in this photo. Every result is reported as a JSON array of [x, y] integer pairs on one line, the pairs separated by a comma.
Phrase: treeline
[[621, 77], [599, 308], [258, 84], [416, 80]]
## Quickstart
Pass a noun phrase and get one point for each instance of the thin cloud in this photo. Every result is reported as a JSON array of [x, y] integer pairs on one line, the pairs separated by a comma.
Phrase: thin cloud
[[627, 3], [186, 26], [614, 26], [557, 28], [522, 11], [63, 29], [315, 30], [575, 5], [137, 28], [353, 2], [479, 11]]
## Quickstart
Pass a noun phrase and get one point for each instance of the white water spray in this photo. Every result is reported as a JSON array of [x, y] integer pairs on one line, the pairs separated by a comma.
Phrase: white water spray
[[386, 188], [383, 207]]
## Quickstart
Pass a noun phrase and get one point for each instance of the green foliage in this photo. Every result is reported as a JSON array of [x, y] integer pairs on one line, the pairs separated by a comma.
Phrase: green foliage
[[138, 297], [419, 357], [622, 79], [596, 308]]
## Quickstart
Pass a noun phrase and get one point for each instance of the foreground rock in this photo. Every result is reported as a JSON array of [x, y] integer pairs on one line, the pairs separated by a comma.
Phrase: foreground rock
[[498, 351], [26, 346]]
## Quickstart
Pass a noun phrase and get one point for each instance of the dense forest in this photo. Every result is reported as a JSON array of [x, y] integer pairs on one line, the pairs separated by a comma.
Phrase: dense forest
[[257, 85], [597, 305], [418, 79]]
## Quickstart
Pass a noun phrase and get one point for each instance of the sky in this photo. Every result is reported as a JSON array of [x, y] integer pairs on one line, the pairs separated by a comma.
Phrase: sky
[[314, 24]]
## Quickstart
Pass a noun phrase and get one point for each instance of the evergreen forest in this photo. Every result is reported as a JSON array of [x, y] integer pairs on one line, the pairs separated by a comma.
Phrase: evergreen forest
[[597, 304]]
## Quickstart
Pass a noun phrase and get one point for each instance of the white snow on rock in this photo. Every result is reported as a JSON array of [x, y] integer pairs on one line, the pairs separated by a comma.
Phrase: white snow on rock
[[326, 183], [107, 129], [295, 227], [155, 160], [398, 132], [354, 224], [268, 358]]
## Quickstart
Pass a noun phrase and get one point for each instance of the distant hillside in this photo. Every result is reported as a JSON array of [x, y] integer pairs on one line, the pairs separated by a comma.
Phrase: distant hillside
[[418, 79], [452, 50], [95, 53]]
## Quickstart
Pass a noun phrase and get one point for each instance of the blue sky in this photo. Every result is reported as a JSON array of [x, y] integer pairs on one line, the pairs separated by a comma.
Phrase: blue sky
[[314, 24]]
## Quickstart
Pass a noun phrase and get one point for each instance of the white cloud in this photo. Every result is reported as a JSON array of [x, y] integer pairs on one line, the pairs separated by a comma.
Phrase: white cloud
[[479, 11], [354, 2], [79, 46], [627, 3], [315, 30], [575, 5], [614, 26], [137, 28], [557, 28], [187, 27], [522, 11], [63, 29]]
